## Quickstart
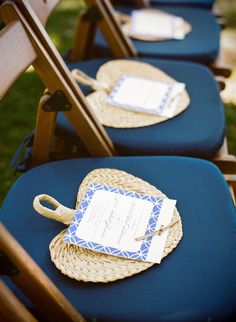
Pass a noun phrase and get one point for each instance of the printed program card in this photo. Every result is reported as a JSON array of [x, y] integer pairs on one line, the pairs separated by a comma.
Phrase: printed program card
[[154, 24], [109, 219], [146, 95]]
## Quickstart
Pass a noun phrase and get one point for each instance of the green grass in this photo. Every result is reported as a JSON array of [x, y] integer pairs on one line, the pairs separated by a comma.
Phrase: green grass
[[228, 7], [18, 108]]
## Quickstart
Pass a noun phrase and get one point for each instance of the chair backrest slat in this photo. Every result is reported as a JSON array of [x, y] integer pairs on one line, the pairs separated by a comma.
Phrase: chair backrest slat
[[43, 8], [119, 43], [17, 54], [11, 309]]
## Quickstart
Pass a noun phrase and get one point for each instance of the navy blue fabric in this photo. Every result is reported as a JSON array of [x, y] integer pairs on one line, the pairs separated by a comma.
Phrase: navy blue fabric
[[195, 3], [180, 135], [201, 45], [206, 4], [196, 282]]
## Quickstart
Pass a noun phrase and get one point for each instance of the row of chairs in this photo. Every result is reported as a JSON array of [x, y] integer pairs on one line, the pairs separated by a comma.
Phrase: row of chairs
[[195, 283]]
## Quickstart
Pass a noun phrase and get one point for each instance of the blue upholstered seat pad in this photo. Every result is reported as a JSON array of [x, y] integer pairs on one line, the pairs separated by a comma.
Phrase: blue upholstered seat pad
[[201, 45], [196, 282], [197, 3], [199, 130], [207, 4]]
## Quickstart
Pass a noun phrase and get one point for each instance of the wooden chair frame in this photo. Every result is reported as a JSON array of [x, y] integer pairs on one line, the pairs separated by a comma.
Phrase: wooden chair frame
[[120, 44], [110, 27], [27, 275], [31, 16], [11, 309], [24, 12], [23, 271], [79, 114]]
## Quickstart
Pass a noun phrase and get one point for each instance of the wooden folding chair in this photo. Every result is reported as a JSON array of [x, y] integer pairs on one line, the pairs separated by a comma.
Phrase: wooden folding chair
[[204, 202], [31, 17], [63, 98], [110, 26]]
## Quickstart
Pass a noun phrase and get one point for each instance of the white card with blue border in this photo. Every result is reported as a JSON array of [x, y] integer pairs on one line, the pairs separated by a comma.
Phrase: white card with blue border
[[146, 95], [155, 24], [109, 220]]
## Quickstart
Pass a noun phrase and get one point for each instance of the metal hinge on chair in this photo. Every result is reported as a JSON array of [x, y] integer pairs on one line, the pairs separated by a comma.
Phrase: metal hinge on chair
[[6, 265], [91, 14], [57, 102]]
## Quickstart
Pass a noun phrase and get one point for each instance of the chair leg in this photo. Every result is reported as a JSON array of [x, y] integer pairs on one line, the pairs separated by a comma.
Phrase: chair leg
[[221, 82], [82, 45], [226, 163], [44, 133], [231, 180], [220, 68]]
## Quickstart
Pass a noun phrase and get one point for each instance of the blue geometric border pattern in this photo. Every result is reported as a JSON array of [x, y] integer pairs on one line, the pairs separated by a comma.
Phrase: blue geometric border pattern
[[142, 253]]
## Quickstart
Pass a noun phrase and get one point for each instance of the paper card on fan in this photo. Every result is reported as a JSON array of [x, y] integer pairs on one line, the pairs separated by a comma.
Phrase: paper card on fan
[[154, 24], [109, 219], [146, 95]]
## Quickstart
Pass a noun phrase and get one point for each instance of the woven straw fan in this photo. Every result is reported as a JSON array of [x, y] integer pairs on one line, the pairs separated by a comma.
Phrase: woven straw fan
[[107, 77], [89, 266], [126, 27]]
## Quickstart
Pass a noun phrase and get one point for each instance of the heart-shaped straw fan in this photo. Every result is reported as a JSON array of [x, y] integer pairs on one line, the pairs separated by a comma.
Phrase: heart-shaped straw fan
[[107, 77], [89, 266], [127, 28]]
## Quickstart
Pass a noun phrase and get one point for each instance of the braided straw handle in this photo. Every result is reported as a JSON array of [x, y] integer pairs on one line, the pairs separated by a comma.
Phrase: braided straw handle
[[122, 17], [84, 79], [61, 213]]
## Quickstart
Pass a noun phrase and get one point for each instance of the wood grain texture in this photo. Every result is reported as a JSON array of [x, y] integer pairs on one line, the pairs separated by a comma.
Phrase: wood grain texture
[[42, 8], [31, 19], [84, 126], [35, 284], [16, 55], [11, 309]]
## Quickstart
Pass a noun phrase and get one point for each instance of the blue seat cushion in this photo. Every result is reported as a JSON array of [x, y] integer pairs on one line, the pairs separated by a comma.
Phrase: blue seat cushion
[[196, 282], [198, 3], [180, 135], [206, 4], [201, 44]]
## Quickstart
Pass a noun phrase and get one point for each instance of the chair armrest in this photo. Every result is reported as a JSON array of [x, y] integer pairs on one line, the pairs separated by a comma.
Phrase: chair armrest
[[221, 82], [231, 180], [226, 163]]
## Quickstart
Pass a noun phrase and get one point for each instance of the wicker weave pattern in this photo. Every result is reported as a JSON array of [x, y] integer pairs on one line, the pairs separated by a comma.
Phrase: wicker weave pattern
[[112, 116], [88, 266], [127, 28]]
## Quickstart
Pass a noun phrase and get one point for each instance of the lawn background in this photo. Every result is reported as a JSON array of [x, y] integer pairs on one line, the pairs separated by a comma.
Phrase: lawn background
[[18, 107]]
